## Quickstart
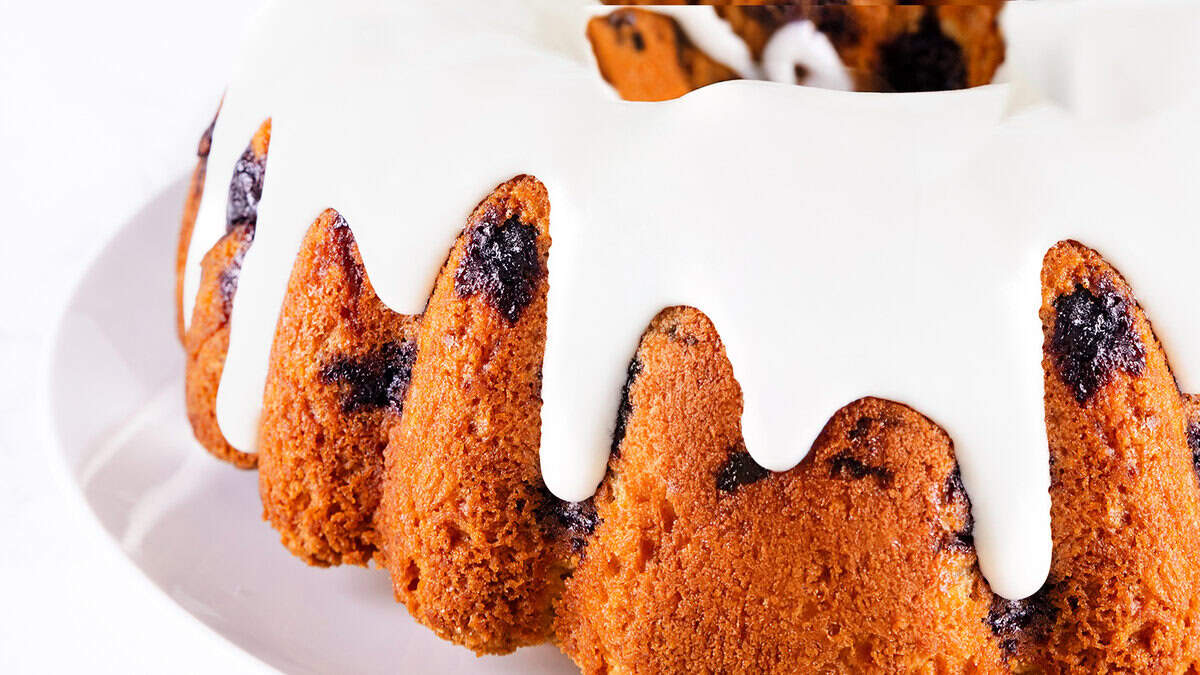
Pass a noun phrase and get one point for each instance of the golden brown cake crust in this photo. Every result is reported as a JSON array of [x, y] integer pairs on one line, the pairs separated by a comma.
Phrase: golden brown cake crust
[[340, 365], [207, 341], [857, 559], [1124, 586], [646, 56], [188, 222], [207, 338], [460, 521]]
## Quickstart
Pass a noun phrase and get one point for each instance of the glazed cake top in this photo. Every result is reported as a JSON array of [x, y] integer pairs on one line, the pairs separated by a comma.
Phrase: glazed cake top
[[844, 244]]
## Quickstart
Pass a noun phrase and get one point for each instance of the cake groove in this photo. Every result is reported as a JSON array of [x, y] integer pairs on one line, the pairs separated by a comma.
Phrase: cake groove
[[339, 371]]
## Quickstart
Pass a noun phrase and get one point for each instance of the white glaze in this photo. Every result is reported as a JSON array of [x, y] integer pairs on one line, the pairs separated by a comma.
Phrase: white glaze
[[800, 43], [844, 244]]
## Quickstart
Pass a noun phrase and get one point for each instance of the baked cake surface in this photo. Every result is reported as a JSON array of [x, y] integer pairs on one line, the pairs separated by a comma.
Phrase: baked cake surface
[[411, 442]]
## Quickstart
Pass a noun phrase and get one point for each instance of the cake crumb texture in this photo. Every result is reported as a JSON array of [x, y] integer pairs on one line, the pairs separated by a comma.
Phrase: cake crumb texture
[[340, 365]]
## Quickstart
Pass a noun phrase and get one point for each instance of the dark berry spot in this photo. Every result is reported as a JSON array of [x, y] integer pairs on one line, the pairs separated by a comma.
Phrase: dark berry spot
[[625, 407], [573, 520], [1013, 620], [926, 60], [837, 24], [683, 45], [227, 280], [676, 334], [1193, 441], [206, 141], [375, 380], [860, 429], [245, 190], [773, 16], [342, 240], [963, 540], [843, 465], [740, 469], [1093, 337], [957, 492], [227, 284], [502, 262]]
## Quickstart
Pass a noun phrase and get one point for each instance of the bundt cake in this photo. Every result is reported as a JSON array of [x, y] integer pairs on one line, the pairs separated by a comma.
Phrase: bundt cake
[[549, 443]]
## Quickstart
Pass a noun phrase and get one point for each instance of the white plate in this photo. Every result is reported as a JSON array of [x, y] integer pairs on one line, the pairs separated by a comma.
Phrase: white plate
[[192, 524]]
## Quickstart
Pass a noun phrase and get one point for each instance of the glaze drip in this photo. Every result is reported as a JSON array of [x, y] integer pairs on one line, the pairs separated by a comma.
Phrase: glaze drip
[[843, 244]]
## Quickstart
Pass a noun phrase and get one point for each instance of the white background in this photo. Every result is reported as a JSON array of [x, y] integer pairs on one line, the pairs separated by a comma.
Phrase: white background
[[101, 106]]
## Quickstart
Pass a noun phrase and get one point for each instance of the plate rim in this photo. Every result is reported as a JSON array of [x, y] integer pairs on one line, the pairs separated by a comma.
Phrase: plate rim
[[59, 465]]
